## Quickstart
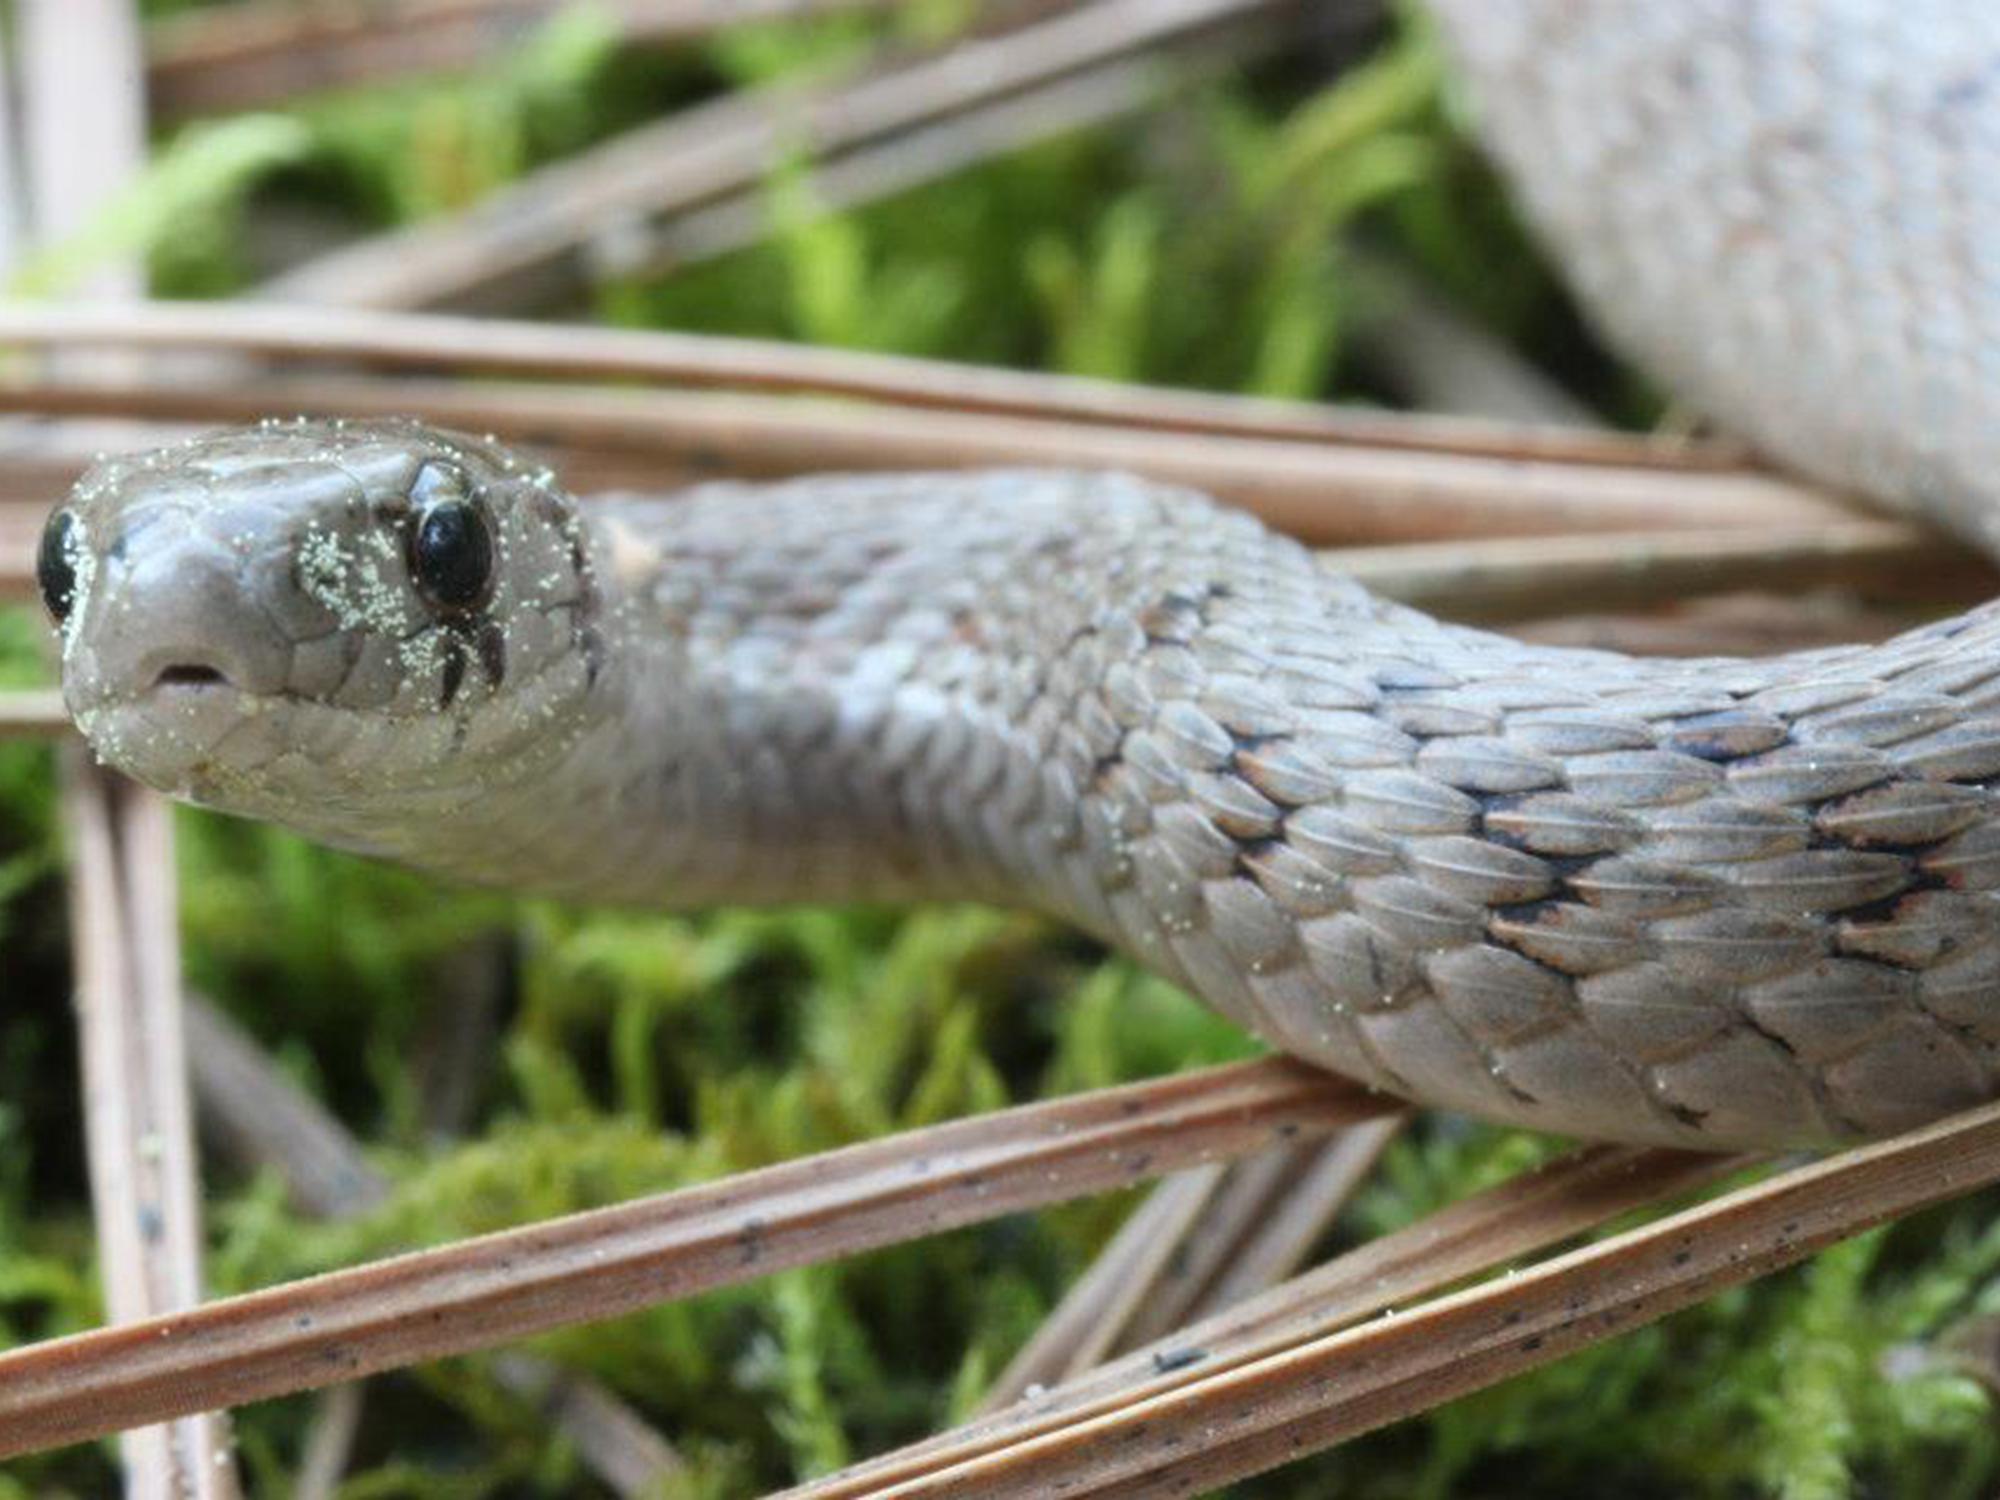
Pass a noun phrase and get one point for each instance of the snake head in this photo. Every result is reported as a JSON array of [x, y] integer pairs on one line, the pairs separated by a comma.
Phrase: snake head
[[332, 624]]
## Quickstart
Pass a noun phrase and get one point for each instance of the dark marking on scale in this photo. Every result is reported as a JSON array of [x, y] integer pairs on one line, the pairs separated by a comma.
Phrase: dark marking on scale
[[454, 670], [493, 653]]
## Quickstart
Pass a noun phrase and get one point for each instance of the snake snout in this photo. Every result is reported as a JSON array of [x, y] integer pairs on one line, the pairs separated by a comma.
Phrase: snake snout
[[186, 621]]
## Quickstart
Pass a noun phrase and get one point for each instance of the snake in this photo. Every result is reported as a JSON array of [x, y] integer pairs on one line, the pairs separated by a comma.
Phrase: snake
[[1720, 904]]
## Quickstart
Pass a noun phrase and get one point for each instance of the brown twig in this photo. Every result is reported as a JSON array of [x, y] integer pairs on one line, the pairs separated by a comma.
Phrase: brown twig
[[1756, 624], [329, 1445], [1255, 1415], [1320, 493], [1528, 1214], [1147, 1258], [1513, 578], [1205, 1252], [438, 342], [82, 140], [921, 156], [1085, 1325], [621, 1448], [32, 713], [41, 459], [454, 1050], [1427, 354], [689, 159], [137, 1121], [1299, 1215], [270, 51], [494, 1288]]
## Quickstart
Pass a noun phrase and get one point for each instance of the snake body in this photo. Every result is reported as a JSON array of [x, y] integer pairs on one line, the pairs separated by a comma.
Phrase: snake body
[[1787, 210], [1711, 903]]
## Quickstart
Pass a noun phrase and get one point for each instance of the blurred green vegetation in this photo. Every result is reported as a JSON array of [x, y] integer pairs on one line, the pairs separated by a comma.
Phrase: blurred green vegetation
[[1211, 245]]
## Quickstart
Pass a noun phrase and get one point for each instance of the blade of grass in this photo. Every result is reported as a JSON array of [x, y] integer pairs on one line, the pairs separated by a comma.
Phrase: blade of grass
[[487, 1290]]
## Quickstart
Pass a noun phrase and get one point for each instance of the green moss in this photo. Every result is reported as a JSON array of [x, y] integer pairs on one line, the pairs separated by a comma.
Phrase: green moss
[[1212, 247]]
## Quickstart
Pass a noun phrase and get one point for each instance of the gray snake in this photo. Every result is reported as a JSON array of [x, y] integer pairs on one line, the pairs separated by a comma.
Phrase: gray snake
[[1710, 903]]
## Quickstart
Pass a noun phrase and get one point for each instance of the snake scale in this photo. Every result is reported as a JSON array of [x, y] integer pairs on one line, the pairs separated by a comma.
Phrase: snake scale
[[1708, 903]]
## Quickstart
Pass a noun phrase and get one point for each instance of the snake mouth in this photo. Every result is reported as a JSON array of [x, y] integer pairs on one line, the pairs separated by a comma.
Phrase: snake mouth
[[190, 675], [167, 729]]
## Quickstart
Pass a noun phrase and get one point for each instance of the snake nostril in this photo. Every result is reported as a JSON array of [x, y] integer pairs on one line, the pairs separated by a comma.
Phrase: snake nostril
[[190, 674]]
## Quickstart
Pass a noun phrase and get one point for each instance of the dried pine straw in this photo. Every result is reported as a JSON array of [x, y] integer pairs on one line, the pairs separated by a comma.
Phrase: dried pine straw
[[497, 1288], [1322, 493], [39, 460], [32, 713], [1758, 624], [138, 1125], [1263, 1235], [1513, 578], [268, 51], [1082, 1329], [1298, 1215], [78, 138], [1530, 1213], [534, 228], [1291, 1399], [916, 158], [496, 346]]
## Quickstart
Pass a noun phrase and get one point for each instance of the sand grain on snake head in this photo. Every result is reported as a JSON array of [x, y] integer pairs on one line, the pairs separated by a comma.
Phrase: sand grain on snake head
[[1741, 903]]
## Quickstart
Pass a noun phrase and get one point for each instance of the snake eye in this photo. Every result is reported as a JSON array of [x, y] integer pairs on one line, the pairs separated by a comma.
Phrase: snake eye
[[55, 565], [451, 541]]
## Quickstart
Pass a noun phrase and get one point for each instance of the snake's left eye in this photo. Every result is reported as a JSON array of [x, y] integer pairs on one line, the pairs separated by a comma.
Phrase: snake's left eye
[[451, 542], [55, 565]]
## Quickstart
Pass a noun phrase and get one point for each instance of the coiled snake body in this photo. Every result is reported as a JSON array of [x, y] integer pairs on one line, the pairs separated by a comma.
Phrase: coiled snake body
[[1710, 903]]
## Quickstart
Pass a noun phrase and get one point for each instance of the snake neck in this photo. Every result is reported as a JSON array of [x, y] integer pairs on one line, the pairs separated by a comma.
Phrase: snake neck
[[880, 688], [1709, 902]]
